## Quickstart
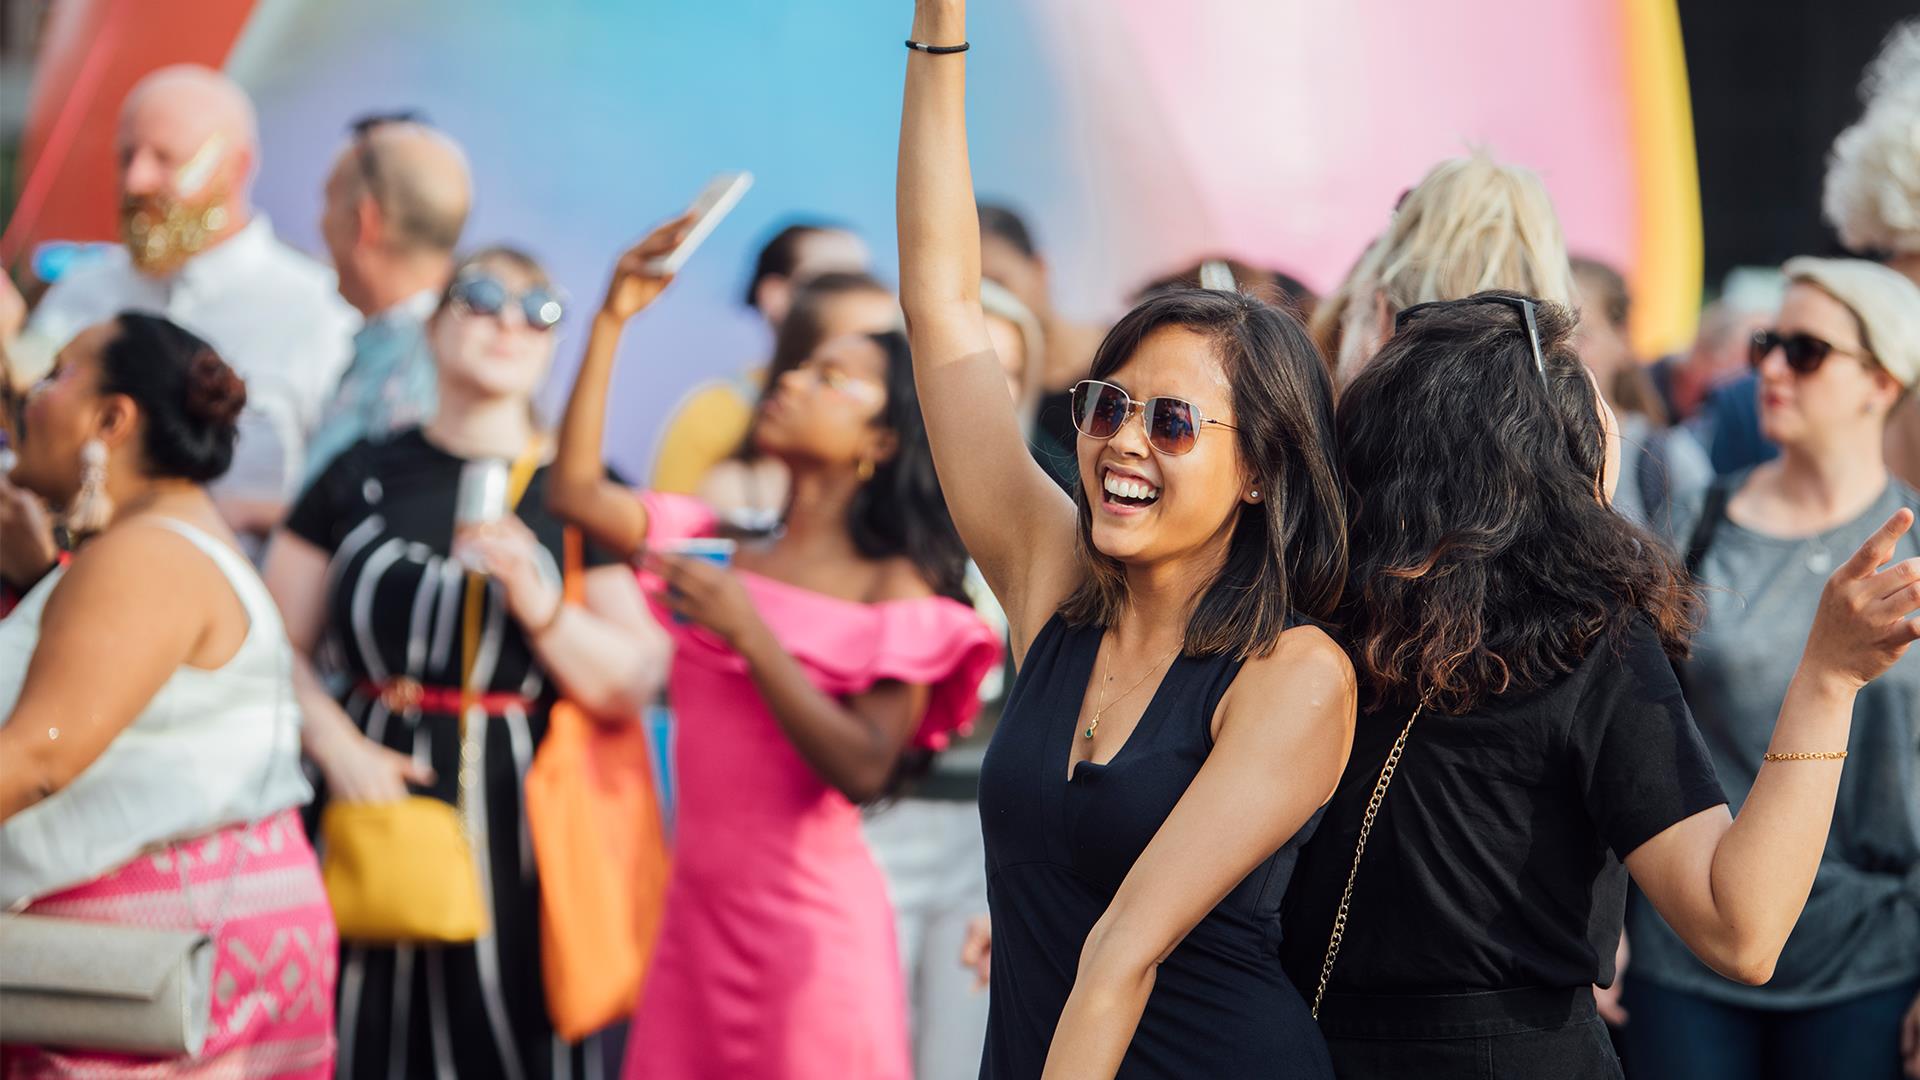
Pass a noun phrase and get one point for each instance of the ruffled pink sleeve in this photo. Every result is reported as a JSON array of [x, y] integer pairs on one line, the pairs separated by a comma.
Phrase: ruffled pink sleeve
[[847, 648], [943, 645], [677, 517]]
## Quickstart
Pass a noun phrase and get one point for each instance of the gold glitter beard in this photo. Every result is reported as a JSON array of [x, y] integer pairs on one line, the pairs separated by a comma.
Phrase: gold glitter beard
[[162, 232]]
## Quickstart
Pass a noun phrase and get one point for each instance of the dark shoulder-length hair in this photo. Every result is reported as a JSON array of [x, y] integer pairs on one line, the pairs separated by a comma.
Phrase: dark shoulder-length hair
[[1288, 553], [1485, 559], [899, 511]]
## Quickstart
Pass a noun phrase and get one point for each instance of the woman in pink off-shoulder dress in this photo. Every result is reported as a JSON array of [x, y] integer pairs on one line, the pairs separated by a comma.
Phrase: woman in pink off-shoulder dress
[[807, 676]]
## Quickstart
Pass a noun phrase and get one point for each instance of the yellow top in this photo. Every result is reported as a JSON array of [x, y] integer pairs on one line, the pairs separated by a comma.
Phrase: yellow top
[[703, 431]]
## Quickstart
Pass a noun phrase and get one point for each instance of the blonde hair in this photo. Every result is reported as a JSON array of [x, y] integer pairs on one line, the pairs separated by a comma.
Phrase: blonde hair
[[1471, 225], [1330, 314], [1872, 191]]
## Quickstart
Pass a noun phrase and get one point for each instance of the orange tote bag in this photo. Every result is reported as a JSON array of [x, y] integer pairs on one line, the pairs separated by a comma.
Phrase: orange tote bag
[[602, 857]]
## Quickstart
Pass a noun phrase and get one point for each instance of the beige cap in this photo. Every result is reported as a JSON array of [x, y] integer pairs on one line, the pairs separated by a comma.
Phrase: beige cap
[[1886, 302]]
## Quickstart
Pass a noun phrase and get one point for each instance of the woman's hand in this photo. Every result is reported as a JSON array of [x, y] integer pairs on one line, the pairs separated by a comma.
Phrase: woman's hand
[[1607, 998], [507, 551], [1866, 618], [977, 951], [705, 593], [635, 284], [359, 770], [27, 548]]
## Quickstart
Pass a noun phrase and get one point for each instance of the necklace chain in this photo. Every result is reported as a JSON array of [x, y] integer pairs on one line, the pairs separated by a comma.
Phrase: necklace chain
[[1100, 704]]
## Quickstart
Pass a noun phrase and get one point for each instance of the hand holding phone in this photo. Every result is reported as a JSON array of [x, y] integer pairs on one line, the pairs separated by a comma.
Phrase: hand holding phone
[[709, 596], [636, 283], [643, 273], [720, 195]]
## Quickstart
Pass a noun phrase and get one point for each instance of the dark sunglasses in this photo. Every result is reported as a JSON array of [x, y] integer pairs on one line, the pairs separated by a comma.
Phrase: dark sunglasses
[[1101, 409], [363, 149], [480, 294], [1519, 303], [1804, 352]]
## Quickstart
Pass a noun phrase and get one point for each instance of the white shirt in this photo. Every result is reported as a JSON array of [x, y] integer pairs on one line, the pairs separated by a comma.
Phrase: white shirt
[[212, 748], [269, 311]]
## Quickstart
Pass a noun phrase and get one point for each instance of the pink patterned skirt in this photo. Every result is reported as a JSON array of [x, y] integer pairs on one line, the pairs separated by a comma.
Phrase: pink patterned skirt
[[275, 957]]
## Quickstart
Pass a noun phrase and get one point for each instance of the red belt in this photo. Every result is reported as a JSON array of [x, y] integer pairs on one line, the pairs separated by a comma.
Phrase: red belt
[[404, 695]]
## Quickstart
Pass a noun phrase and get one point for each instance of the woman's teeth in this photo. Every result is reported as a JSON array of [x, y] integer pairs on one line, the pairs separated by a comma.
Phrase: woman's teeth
[[1130, 490]]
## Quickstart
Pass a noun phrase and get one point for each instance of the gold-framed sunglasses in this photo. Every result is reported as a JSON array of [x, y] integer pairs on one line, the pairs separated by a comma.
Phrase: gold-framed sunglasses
[[1173, 425]]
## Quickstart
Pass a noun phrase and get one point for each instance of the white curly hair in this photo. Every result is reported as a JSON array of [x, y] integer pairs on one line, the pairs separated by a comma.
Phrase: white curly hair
[[1873, 175]]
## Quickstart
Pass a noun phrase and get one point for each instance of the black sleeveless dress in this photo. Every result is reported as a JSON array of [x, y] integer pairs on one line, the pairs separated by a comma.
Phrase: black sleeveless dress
[[1057, 850]]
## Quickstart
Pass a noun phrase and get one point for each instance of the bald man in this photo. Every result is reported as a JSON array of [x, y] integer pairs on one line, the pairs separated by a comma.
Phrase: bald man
[[395, 204], [198, 252]]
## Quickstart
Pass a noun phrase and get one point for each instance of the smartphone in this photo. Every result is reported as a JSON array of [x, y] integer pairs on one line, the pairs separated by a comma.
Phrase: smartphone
[[715, 550], [712, 549], [715, 200]]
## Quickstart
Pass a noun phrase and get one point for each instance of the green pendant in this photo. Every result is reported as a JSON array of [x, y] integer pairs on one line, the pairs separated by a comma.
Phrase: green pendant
[[1089, 731]]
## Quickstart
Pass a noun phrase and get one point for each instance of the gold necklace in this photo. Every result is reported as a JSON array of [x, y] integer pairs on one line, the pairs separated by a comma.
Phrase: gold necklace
[[1100, 706]]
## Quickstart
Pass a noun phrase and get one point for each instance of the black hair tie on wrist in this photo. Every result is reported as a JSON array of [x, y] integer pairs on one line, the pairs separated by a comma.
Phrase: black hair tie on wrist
[[938, 50]]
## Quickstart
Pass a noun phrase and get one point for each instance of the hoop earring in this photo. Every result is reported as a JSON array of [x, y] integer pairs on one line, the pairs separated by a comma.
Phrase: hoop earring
[[864, 470], [91, 509]]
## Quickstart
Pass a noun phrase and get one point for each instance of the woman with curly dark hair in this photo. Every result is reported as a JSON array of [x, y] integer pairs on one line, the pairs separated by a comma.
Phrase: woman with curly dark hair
[[1523, 744]]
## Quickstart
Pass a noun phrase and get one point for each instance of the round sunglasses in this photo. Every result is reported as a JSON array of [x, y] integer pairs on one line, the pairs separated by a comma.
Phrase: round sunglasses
[[481, 294], [1804, 352], [1173, 425]]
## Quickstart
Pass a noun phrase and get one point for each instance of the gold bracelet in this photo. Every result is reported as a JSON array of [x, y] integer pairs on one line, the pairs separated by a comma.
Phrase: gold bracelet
[[1829, 755]]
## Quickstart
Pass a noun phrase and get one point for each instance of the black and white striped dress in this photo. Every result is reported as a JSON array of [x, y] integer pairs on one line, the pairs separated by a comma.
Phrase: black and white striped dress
[[384, 512]]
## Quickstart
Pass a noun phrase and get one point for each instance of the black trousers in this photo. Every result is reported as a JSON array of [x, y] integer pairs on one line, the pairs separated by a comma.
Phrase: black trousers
[[1508, 1035]]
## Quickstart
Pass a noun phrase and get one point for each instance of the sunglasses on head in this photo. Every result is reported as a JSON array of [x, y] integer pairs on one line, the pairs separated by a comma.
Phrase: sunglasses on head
[[481, 294], [1521, 304], [1173, 425], [1804, 352]]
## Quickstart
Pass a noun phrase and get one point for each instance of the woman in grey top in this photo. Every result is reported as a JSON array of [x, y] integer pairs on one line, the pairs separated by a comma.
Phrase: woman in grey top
[[1844, 353]]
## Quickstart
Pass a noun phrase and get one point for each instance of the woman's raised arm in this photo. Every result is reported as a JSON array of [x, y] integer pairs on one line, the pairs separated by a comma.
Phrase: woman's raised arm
[[1015, 522], [578, 490]]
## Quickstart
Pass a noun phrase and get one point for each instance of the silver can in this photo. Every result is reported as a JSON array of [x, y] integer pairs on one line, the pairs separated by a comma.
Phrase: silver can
[[481, 498]]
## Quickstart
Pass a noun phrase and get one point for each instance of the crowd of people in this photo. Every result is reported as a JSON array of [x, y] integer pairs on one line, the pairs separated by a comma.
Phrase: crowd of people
[[1407, 681]]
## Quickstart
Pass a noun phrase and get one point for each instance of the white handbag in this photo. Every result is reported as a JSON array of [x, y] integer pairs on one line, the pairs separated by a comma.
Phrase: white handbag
[[68, 982]]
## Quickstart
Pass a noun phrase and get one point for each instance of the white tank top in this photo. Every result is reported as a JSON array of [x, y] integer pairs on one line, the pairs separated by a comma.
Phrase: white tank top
[[212, 748]]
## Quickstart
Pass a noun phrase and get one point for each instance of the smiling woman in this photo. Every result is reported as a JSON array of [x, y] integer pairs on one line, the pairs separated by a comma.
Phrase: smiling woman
[[1232, 356], [1177, 723]]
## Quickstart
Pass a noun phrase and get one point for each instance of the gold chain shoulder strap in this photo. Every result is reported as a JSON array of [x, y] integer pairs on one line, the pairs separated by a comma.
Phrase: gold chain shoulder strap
[[1359, 848]]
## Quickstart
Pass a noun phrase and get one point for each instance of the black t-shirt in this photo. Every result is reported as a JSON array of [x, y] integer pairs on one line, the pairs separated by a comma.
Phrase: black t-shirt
[[1494, 863]]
